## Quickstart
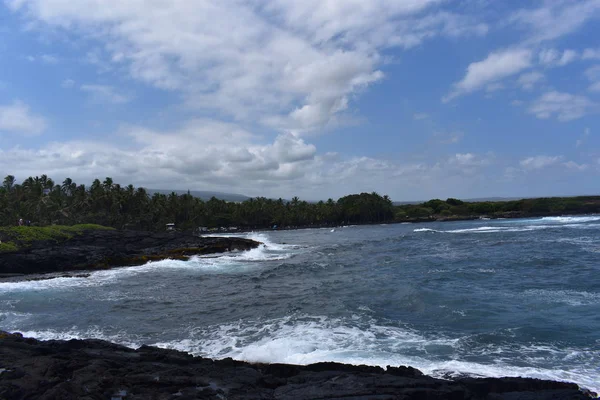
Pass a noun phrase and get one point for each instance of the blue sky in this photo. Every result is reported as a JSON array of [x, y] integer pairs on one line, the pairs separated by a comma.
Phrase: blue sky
[[416, 99]]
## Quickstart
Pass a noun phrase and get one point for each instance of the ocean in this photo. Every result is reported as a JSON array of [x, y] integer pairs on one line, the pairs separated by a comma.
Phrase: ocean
[[514, 297]]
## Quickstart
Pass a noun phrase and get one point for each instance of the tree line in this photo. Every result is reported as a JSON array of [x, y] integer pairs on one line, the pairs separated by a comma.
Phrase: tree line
[[45, 202]]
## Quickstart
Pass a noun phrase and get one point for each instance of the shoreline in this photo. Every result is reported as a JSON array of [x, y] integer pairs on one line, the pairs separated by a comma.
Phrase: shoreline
[[96, 250], [96, 369], [396, 222]]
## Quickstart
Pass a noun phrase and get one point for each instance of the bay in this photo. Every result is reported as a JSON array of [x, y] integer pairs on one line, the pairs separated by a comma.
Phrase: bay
[[518, 297]]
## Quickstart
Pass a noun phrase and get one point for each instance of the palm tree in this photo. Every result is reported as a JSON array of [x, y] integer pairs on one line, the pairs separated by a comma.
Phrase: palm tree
[[9, 183]]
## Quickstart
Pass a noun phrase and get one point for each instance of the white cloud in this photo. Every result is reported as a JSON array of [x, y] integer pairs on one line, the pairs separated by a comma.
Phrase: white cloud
[[593, 74], [448, 137], [594, 87], [583, 138], [567, 57], [49, 59], [44, 58], [105, 94], [470, 160], [564, 106], [575, 166], [529, 79], [539, 162], [548, 56], [67, 83], [295, 66], [221, 156], [553, 58], [494, 87], [17, 118], [496, 66], [591, 54], [554, 19]]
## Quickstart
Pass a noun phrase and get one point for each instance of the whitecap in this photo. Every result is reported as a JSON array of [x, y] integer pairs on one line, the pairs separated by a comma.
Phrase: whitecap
[[571, 219], [569, 297], [310, 339], [93, 332]]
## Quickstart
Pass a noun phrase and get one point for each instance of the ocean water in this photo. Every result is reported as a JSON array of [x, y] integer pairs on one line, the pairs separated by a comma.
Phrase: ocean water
[[481, 298]]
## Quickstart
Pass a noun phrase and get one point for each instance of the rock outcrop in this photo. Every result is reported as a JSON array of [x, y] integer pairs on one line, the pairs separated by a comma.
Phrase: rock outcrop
[[94, 369], [103, 249]]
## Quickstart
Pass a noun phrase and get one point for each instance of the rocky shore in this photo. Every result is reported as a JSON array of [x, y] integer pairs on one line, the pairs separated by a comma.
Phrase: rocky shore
[[103, 249], [95, 369]]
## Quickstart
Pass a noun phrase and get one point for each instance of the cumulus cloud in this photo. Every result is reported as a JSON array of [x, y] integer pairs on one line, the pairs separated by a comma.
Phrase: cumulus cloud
[[564, 106], [495, 66], [539, 162], [572, 165], [292, 65], [207, 153], [17, 118]]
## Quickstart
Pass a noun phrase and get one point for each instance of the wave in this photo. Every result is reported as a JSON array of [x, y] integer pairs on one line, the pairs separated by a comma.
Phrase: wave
[[499, 229], [93, 332], [571, 219], [569, 297], [310, 339], [231, 262]]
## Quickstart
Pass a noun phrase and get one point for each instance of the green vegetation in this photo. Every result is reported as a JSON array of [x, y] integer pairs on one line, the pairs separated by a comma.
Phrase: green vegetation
[[16, 237], [45, 203], [457, 209], [106, 203]]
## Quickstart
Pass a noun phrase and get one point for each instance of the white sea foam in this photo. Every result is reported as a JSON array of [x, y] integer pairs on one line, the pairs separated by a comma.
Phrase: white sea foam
[[499, 228], [571, 219], [306, 340], [93, 332], [310, 339], [569, 297], [231, 262]]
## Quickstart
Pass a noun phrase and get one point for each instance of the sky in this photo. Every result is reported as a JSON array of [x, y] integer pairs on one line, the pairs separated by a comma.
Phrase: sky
[[416, 99]]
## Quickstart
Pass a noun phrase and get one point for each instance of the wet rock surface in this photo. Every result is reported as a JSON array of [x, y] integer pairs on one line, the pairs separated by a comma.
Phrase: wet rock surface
[[103, 249], [95, 369]]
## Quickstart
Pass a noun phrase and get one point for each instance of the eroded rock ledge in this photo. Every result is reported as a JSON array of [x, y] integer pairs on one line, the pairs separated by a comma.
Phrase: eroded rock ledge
[[103, 249], [95, 369]]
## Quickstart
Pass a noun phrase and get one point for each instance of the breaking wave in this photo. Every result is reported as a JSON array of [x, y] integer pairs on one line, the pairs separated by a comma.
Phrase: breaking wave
[[310, 339]]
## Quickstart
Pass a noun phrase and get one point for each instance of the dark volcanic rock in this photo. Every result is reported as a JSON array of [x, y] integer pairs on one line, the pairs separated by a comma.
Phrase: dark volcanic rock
[[102, 249], [94, 369]]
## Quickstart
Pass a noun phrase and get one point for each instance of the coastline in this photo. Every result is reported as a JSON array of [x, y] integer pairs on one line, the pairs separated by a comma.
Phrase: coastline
[[454, 218], [106, 249], [95, 369]]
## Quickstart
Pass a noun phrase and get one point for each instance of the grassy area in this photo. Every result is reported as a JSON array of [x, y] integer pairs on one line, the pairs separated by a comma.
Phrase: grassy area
[[18, 237]]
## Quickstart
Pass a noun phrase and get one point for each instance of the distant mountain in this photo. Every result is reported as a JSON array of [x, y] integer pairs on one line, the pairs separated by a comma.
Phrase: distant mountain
[[203, 194], [474, 200]]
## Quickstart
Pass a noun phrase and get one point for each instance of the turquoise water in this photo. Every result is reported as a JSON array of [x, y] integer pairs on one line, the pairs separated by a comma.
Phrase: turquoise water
[[484, 298]]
